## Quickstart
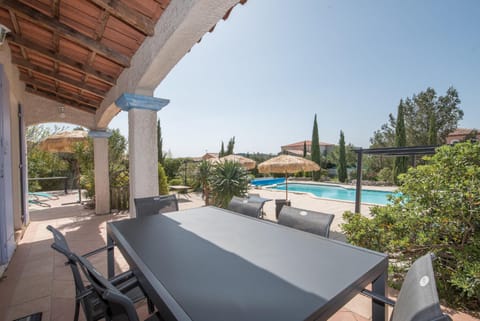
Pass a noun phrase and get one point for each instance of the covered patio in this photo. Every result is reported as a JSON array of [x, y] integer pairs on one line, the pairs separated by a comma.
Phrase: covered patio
[[82, 63], [37, 279]]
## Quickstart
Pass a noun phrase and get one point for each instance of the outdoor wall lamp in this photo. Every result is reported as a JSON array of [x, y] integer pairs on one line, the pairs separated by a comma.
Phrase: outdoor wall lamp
[[61, 111], [3, 33]]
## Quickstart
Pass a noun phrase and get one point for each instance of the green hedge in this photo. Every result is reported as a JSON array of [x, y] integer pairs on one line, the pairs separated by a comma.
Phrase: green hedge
[[438, 211]]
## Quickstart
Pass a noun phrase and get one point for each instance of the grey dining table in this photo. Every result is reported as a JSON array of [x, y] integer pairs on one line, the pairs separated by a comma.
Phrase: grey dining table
[[213, 264]]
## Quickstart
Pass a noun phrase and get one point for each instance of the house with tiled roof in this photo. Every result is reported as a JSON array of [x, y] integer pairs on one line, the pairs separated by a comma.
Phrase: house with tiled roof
[[297, 148], [210, 156], [459, 135]]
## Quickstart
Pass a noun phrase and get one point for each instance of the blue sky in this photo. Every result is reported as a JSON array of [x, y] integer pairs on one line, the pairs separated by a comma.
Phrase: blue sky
[[263, 74]]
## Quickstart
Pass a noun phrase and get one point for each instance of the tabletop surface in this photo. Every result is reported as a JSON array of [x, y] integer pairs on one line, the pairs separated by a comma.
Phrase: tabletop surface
[[218, 265], [174, 187], [258, 199]]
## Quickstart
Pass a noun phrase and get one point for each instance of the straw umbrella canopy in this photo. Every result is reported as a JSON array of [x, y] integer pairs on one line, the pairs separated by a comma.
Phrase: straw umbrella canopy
[[287, 164], [245, 162], [63, 142]]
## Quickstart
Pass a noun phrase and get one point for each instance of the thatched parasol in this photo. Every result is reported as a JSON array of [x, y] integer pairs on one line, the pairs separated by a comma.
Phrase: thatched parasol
[[63, 142], [287, 164], [245, 162]]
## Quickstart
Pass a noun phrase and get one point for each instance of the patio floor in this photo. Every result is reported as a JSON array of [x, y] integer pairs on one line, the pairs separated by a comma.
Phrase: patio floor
[[38, 281]]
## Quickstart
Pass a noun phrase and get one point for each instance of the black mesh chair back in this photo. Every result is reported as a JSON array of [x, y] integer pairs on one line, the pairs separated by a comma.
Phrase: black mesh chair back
[[242, 206], [418, 297], [152, 205], [306, 220], [91, 308], [117, 306]]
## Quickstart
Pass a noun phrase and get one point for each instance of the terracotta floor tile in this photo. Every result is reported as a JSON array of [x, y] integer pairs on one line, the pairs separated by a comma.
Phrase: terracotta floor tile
[[32, 288], [62, 309], [343, 316], [29, 307], [7, 286], [38, 267], [62, 272], [63, 289]]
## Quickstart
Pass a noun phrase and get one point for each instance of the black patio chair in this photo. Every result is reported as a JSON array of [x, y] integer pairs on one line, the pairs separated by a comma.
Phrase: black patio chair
[[85, 296], [306, 220], [243, 206], [152, 205], [418, 297], [116, 305]]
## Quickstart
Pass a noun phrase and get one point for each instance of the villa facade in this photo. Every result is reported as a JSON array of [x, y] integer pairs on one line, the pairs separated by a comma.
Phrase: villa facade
[[460, 134], [296, 149]]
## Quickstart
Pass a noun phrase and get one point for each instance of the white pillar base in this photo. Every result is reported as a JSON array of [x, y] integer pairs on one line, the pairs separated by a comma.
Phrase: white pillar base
[[102, 176]]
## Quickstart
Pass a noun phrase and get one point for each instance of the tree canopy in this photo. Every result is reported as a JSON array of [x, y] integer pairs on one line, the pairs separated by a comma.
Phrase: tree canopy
[[426, 116]]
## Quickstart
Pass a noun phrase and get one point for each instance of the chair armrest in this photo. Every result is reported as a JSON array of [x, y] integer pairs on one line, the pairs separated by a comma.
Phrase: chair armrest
[[378, 297], [127, 285], [84, 294], [96, 251], [122, 277], [101, 249]]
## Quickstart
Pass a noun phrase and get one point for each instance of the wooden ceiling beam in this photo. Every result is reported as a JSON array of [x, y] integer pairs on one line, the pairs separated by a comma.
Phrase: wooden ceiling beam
[[61, 100], [61, 92], [83, 68], [127, 15], [65, 31], [56, 76]]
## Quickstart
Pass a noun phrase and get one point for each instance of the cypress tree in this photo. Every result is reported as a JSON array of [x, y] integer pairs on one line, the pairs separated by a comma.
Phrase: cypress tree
[[161, 158], [222, 151], [315, 150], [304, 149], [432, 130], [342, 160], [400, 165], [230, 146]]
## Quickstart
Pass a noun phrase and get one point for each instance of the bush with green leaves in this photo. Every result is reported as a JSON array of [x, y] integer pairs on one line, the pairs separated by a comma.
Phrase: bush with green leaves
[[437, 211], [228, 179], [385, 175], [163, 187], [202, 179]]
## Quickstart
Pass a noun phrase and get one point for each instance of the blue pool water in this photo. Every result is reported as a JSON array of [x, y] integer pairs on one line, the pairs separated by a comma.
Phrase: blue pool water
[[265, 181], [338, 193]]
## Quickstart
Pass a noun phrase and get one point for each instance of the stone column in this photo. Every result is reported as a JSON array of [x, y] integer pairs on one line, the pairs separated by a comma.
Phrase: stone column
[[142, 144], [102, 177]]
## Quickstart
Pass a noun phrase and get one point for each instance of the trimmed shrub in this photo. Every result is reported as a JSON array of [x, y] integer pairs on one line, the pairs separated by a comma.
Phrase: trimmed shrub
[[437, 211]]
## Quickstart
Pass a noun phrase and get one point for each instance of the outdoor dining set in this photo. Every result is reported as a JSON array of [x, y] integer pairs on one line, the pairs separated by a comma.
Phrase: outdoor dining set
[[210, 263]]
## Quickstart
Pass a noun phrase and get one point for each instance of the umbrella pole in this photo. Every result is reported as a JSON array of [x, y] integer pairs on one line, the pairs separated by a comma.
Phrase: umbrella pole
[[286, 186]]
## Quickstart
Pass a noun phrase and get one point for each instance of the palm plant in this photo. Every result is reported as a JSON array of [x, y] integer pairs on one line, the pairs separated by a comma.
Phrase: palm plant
[[202, 177], [228, 179]]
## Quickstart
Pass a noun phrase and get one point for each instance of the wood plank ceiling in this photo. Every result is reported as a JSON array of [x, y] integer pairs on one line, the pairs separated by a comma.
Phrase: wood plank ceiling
[[72, 51]]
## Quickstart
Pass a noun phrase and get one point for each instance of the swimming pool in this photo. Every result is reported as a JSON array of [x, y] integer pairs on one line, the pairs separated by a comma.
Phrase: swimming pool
[[264, 181], [337, 192]]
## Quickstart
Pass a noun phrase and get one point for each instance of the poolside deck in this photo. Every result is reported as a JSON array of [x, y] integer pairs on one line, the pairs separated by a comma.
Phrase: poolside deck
[[38, 281]]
